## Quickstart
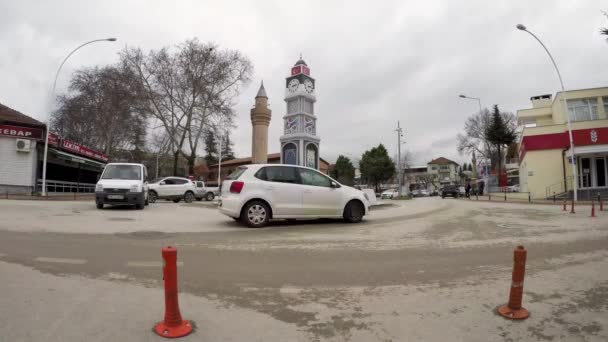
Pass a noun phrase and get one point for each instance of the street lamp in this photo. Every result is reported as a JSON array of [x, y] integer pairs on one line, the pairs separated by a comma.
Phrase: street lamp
[[472, 98], [561, 82], [474, 160], [48, 123]]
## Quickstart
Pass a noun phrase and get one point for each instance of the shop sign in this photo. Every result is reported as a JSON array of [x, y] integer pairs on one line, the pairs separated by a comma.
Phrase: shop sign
[[81, 150], [20, 132], [53, 139]]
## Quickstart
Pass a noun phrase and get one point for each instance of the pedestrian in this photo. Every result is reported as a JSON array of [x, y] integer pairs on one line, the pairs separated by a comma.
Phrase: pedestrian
[[467, 190], [481, 186]]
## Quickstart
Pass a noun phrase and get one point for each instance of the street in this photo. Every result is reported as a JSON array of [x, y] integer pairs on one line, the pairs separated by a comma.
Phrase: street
[[427, 269]]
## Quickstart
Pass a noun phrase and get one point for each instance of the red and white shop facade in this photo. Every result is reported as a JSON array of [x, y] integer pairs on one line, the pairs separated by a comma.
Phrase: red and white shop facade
[[71, 167], [544, 160]]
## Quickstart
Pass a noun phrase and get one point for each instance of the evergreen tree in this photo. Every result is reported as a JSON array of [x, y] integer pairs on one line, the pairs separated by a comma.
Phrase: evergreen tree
[[210, 147], [499, 135], [227, 153], [343, 171], [376, 166]]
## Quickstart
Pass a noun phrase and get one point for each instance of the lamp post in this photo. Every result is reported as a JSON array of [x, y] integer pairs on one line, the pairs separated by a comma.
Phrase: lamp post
[[474, 160], [48, 123], [561, 83], [472, 98]]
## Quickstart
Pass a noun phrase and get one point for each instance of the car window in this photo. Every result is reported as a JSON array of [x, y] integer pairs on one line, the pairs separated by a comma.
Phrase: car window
[[236, 173], [281, 174], [261, 174], [199, 184], [113, 171], [180, 181], [314, 178], [169, 181]]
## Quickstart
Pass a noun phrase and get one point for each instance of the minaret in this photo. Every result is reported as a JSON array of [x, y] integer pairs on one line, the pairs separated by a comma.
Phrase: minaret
[[260, 119]]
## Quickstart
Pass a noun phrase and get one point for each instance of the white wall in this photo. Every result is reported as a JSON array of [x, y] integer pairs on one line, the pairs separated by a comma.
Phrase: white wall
[[16, 168]]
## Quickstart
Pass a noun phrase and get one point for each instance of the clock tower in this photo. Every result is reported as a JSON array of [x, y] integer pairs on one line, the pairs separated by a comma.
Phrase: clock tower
[[300, 143]]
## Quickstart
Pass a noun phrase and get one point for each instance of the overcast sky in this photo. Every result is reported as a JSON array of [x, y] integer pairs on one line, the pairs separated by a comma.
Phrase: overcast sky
[[375, 62]]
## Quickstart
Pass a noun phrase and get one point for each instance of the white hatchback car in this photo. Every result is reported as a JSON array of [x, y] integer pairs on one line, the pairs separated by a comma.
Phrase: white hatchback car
[[254, 194]]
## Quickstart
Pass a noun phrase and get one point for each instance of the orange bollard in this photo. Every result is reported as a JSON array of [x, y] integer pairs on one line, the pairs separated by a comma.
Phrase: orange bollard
[[513, 309], [173, 326], [592, 208], [572, 207], [564, 209]]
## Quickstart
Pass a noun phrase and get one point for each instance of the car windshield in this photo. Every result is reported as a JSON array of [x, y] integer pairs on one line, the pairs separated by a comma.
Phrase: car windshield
[[132, 172]]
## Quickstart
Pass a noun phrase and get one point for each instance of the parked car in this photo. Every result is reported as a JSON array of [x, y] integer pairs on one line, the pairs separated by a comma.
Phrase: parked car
[[172, 188], [389, 194], [122, 183], [254, 194], [424, 193], [450, 190], [513, 188], [203, 192]]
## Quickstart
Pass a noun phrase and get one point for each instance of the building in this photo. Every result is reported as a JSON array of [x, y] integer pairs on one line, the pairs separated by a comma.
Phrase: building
[[260, 120], [300, 143], [444, 169], [416, 178], [544, 146], [71, 167], [230, 165]]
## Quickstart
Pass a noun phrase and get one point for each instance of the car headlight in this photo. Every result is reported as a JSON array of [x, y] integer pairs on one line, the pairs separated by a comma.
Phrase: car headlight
[[134, 188], [98, 187]]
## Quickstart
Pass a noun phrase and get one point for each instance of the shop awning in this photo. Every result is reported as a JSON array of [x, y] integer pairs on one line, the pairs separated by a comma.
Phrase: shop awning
[[76, 159], [588, 149]]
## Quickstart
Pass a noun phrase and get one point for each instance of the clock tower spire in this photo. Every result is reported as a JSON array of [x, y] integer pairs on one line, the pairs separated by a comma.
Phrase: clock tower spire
[[300, 143]]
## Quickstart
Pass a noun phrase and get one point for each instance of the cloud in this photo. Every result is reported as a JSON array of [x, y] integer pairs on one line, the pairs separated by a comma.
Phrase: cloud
[[375, 64]]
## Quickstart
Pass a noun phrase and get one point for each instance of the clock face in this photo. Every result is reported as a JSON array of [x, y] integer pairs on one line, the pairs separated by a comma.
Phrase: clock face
[[293, 85], [310, 87]]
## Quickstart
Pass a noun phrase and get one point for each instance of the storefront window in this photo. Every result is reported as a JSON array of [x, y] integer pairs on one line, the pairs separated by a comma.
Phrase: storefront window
[[605, 99], [583, 109]]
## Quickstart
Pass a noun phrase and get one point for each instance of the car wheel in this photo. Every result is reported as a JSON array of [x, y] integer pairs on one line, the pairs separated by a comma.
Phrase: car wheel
[[140, 205], [99, 205], [188, 197], [152, 196], [177, 200], [255, 214], [354, 212], [209, 196]]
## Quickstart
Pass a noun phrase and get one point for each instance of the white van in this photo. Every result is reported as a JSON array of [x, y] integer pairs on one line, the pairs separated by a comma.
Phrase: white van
[[122, 183]]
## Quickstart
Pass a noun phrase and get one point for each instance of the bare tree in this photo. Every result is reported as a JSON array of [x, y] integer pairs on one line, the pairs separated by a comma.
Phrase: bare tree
[[100, 110], [475, 141], [184, 88]]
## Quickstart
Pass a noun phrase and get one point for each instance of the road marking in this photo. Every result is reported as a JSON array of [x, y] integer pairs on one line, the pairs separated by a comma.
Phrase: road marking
[[61, 260], [149, 264]]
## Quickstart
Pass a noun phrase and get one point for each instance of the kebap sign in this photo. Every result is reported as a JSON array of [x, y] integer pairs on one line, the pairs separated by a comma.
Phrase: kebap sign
[[21, 132], [83, 151]]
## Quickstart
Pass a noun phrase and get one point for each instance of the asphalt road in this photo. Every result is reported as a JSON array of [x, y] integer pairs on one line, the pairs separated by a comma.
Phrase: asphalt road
[[313, 276]]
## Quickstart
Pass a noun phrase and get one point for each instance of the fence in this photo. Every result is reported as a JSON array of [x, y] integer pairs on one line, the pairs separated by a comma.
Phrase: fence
[[62, 187]]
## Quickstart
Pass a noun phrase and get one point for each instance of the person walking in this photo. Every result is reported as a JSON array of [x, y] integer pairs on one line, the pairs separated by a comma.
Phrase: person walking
[[481, 186], [467, 190]]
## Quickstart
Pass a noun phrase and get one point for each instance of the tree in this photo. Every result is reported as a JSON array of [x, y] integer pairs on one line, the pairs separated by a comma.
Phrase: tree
[[227, 153], [343, 171], [499, 134], [210, 147], [100, 111], [185, 87], [427, 179], [376, 166], [475, 141]]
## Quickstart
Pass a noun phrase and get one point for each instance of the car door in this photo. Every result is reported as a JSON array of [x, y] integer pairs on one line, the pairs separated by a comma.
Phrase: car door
[[165, 187], [181, 186], [281, 186], [319, 198]]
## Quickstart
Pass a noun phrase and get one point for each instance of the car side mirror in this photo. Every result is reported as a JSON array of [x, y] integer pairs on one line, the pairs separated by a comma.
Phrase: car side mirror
[[335, 185]]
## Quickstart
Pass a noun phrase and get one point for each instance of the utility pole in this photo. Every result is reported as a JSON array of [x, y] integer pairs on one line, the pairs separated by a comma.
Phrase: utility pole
[[399, 131]]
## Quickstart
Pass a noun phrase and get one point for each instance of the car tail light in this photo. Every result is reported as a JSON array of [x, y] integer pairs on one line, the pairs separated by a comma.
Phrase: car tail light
[[236, 187]]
